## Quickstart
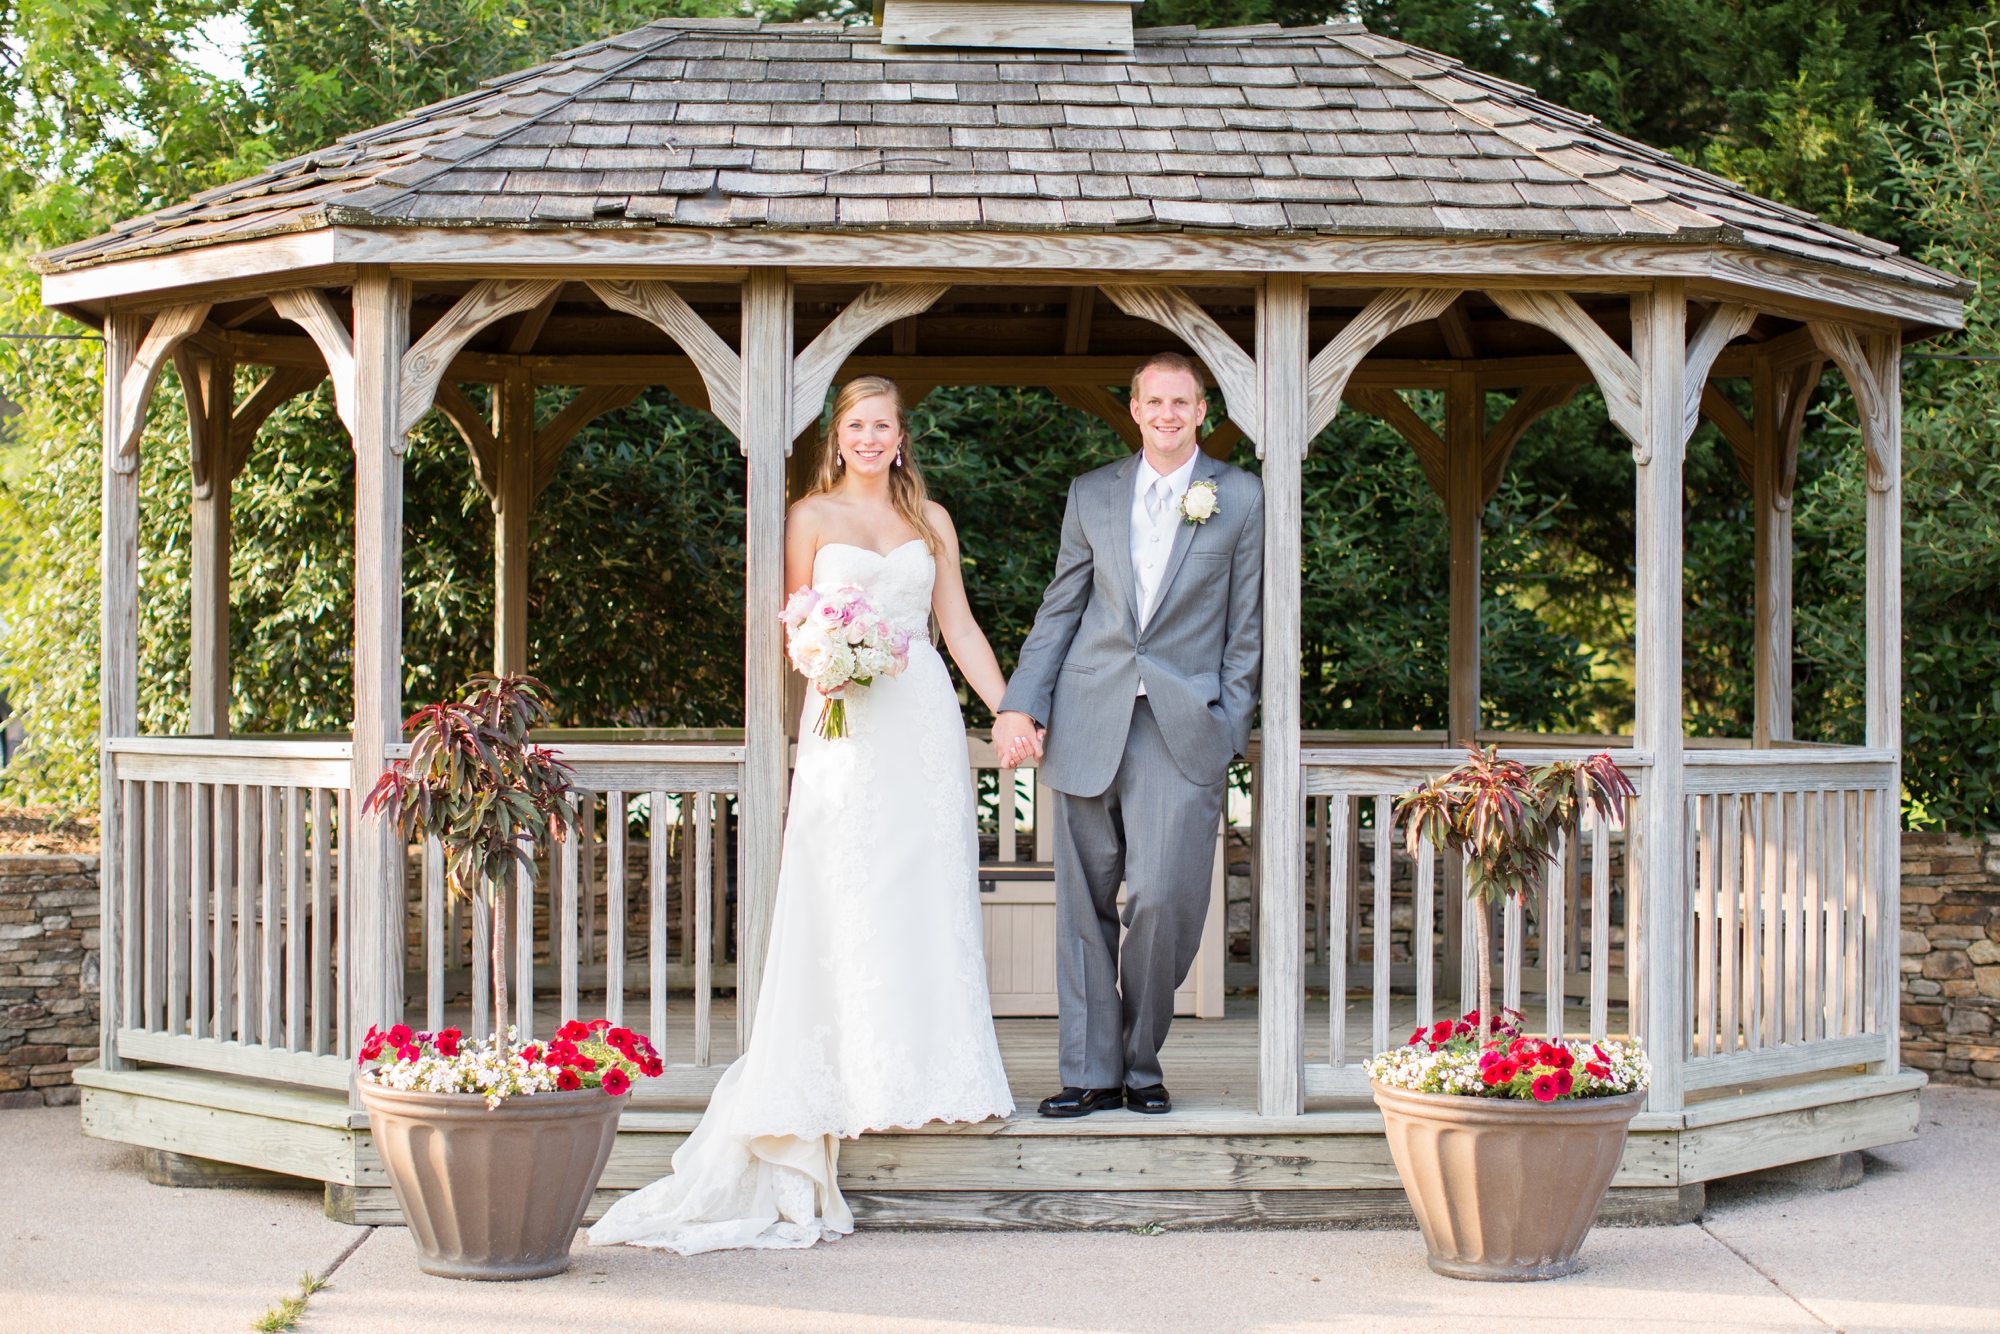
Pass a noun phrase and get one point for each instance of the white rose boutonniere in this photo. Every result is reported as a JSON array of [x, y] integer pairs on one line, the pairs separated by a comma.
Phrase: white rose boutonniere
[[1198, 505]]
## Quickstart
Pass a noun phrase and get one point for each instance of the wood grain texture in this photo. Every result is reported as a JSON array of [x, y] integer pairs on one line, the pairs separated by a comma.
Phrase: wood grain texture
[[659, 304], [1391, 310], [1530, 406], [1388, 405], [1235, 371], [1464, 496], [118, 665], [768, 428], [1870, 364], [278, 388], [472, 428], [1710, 1152], [234, 1058], [1282, 435], [426, 361], [814, 370], [312, 310], [142, 373], [1047, 25], [1618, 376], [1658, 322], [1725, 323]]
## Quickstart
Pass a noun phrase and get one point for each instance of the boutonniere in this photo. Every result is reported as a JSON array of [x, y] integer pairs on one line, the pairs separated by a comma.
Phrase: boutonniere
[[1198, 503]]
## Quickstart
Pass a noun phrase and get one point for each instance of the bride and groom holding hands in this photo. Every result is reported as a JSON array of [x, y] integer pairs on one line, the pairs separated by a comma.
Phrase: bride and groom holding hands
[[1133, 691]]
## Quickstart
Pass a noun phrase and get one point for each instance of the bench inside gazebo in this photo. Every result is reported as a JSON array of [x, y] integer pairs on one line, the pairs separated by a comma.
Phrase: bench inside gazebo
[[748, 215]]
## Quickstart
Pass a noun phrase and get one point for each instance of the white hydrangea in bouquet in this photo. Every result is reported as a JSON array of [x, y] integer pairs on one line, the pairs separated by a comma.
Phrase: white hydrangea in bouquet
[[836, 639]]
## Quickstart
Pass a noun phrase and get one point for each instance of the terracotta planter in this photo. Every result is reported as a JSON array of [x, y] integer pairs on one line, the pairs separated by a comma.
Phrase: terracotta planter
[[1504, 1189], [493, 1194]]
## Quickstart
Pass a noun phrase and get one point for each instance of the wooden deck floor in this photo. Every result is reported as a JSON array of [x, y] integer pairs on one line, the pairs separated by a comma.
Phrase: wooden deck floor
[[1210, 1064]]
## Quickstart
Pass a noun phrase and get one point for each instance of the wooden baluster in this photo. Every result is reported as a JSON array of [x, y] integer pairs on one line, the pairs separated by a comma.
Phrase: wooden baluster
[[436, 957], [247, 864], [1753, 921], [322, 920], [1511, 949], [1813, 1024], [719, 915], [570, 857], [223, 835], [1702, 822], [1384, 934], [524, 953], [179, 854], [271, 970], [1600, 931], [587, 875], [1354, 879], [295, 919], [155, 907], [656, 840], [1728, 846], [1572, 873], [343, 990], [704, 943], [1421, 945], [1340, 833], [1004, 814], [614, 907], [1555, 953], [132, 804], [482, 959], [201, 877]]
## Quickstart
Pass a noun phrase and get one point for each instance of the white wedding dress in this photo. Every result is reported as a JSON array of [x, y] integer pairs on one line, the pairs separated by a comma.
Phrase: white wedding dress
[[873, 1011]]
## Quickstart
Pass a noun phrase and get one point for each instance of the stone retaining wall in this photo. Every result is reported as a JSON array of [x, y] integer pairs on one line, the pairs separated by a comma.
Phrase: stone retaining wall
[[48, 976], [1951, 957]]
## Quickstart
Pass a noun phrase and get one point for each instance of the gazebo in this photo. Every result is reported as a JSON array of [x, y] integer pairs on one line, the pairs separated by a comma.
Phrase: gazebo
[[1000, 194]]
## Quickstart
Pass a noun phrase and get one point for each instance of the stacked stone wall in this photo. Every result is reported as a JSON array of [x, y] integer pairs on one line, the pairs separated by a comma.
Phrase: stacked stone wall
[[1951, 957], [48, 977]]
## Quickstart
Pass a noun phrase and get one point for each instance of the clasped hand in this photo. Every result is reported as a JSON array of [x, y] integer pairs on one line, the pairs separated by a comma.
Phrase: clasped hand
[[1016, 738]]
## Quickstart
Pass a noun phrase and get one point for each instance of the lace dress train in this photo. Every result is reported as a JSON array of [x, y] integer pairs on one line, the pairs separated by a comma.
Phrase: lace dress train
[[873, 1011]]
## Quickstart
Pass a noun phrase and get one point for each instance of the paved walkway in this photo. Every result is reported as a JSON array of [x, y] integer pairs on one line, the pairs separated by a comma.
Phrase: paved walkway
[[89, 1246]]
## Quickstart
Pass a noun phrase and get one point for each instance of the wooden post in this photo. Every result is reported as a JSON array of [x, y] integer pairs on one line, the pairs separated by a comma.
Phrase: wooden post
[[766, 416], [1884, 678], [1659, 322], [1465, 502], [1772, 617], [513, 506], [209, 550], [381, 330], [1282, 436], [118, 675]]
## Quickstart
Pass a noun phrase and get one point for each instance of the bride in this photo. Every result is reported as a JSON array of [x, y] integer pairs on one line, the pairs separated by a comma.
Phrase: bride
[[873, 1011]]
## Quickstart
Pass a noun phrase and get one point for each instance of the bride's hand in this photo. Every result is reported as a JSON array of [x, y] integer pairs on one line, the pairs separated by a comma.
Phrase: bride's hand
[[1016, 738]]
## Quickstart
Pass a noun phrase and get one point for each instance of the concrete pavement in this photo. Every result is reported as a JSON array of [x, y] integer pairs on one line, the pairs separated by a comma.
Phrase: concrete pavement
[[91, 1247]]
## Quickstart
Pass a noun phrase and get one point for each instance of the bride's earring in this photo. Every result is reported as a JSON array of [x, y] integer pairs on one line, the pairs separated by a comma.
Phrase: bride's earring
[[899, 458]]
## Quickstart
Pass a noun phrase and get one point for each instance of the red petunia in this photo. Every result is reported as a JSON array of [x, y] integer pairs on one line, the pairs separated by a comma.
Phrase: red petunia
[[1597, 1070], [1565, 1058], [615, 1081], [598, 1025], [1416, 1037], [653, 1067], [447, 1042], [531, 1053], [584, 1063], [1544, 1088], [1564, 1082], [1442, 1032], [573, 1031], [399, 1036], [619, 1037], [371, 1046], [567, 1081], [408, 1052]]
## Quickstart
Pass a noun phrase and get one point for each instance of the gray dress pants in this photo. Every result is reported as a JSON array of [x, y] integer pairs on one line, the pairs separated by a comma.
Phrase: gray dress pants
[[1155, 831]]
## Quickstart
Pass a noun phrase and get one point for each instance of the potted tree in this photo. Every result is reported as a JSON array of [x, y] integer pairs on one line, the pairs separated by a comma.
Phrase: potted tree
[[1506, 1143], [493, 1148]]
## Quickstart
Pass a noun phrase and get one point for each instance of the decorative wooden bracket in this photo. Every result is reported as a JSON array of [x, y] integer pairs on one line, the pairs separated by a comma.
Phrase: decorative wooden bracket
[[1792, 389], [424, 364], [660, 305], [282, 385], [1403, 420], [814, 369], [1723, 325], [1870, 362], [312, 310], [198, 375], [478, 436], [1327, 375], [1234, 370], [135, 391], [1532, 404], [1617, 375]]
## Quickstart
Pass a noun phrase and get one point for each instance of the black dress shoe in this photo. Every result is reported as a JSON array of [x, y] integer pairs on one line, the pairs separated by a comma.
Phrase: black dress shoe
[[1152, 1101], [1082, 1102]]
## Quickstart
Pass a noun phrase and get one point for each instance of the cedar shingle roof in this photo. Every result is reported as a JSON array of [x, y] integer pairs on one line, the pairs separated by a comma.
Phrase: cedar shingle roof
[[728, 123]]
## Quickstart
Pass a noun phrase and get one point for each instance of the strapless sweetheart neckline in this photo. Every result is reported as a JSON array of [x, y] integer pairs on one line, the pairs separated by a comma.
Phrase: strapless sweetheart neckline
[[878, 555]]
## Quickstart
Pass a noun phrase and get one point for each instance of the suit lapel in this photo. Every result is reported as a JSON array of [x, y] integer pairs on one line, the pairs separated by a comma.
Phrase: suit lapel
[[1204, 470], [1119, 526]]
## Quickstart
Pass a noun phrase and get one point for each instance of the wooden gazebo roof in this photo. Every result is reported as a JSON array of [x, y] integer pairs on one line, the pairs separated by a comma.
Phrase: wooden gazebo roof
[[1264, 130]]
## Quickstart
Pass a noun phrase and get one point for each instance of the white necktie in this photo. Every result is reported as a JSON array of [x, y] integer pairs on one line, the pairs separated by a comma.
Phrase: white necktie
[[1157, 500]]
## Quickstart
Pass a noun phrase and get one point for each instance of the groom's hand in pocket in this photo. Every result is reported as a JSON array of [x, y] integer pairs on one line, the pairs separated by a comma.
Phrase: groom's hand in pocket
[[1015, 738]]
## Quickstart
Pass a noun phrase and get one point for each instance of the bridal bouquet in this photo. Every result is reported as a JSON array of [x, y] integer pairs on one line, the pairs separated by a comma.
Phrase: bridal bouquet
[[837, 638]]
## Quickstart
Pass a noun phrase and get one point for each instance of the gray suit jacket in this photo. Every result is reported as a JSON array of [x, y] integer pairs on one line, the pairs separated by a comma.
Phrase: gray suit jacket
[[1199, 654]]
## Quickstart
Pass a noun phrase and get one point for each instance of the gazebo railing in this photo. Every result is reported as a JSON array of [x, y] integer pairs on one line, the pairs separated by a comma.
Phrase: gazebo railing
[[225, 945], [1579, 899], [1791, 954]]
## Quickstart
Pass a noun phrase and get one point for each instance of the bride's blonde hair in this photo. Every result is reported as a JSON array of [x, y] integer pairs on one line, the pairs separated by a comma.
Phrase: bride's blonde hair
[[906, 480]]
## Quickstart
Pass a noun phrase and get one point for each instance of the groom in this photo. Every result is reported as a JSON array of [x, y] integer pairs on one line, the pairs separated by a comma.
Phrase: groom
[[1139, 678]]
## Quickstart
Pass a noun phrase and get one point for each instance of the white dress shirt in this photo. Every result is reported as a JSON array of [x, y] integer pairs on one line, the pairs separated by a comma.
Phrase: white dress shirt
[[1153, 541]]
